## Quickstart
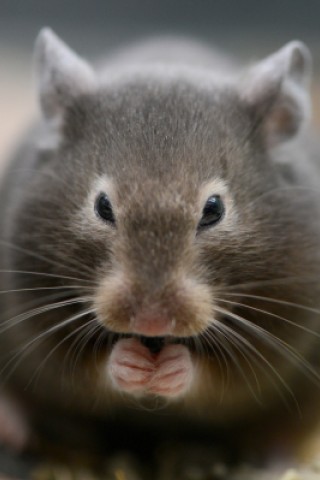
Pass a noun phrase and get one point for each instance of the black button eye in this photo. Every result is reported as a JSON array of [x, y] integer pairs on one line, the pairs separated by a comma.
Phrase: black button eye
[[212, 212], [103, 208]]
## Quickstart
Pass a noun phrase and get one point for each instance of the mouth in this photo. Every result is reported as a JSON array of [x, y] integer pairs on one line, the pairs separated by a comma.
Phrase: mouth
[[154, 344]]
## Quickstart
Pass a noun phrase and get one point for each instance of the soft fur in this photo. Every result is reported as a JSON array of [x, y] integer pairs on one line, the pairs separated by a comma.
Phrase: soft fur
[[159, 138]]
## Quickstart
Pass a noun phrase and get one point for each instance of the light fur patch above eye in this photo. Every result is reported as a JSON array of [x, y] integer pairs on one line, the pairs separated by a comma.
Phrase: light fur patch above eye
[[217, 186], [86, 219]]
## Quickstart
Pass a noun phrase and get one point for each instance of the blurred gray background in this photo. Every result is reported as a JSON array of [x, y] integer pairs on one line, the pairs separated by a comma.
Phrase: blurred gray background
[[246, 28]]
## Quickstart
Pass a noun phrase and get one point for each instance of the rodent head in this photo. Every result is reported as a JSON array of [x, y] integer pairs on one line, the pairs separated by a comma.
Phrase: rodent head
[[164, 184]]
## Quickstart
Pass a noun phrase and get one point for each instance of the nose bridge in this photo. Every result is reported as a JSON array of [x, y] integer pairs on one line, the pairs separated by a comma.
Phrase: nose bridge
[[158, 241]]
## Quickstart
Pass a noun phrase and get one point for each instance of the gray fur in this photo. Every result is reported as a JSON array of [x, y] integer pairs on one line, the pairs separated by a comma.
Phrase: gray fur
[[159, 133]]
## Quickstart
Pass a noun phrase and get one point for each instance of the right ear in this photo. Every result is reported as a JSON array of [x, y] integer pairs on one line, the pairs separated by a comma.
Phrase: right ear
[[61, 74], [276, 90]]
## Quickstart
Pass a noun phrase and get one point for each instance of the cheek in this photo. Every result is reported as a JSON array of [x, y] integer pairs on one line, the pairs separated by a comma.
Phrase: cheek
[[114, 303]]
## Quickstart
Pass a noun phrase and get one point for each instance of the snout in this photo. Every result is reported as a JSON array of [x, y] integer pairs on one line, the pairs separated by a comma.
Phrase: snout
[[151, 324], [181, 307]]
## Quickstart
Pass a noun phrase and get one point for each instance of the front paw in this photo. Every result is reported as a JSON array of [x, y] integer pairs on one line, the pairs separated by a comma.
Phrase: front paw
[[134, 369], [130, 366], [174, 373]]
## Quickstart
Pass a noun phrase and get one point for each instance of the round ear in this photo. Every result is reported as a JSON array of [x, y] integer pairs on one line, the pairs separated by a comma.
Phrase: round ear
[[276, 90], [61, 74]]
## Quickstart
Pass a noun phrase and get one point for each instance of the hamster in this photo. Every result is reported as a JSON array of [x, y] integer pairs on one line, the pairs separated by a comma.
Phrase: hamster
[[160, 231]]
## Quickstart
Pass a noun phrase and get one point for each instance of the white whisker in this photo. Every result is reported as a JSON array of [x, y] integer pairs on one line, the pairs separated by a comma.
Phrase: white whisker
[[288, 188], [25, 350], [224, 367], [275, 300], [65, 339], [239, 343], [48, 275], [40, 310], [279, 345], [94, 328], [40, 289], [271, 314], [296, 279], [49, 261], [241, 321]]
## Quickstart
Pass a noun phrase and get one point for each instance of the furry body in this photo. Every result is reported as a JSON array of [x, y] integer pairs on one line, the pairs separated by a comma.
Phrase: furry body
[[234, 304]]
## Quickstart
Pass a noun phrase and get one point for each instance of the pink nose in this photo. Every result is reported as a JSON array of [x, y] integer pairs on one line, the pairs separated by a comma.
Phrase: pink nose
[[152, 325]]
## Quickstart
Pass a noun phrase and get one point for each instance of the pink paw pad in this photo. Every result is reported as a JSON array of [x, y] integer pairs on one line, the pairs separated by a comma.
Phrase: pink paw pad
[[133, 368]]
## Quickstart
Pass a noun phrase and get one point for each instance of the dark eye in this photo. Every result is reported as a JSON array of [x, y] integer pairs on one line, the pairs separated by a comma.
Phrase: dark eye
[[103, 208], [212, 212]]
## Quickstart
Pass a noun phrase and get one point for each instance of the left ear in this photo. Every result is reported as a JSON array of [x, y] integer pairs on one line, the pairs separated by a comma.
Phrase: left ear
[[61, 74], [276, 91]]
